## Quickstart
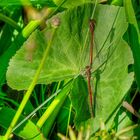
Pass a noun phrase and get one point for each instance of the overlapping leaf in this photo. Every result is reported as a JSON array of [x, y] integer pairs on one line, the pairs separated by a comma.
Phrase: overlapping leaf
[[70, 49]]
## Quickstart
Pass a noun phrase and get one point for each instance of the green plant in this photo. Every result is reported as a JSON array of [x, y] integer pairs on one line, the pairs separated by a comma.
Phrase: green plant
[[89, 68]]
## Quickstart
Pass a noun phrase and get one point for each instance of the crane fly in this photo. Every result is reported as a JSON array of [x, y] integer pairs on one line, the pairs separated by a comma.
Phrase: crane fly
[[88, 67]]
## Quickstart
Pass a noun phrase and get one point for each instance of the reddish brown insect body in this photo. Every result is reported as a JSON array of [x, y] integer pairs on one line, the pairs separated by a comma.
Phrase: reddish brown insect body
[[88, 73], [88, 68]]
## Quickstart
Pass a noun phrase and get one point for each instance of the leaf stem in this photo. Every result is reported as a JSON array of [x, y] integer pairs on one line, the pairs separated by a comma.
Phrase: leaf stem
[[69, 117], [30, 89], [10, 21], [32, 25]]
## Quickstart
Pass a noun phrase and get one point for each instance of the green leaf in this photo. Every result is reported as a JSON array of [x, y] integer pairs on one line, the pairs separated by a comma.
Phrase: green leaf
[[68, 56], [5, 42], [7, 30], [27, 130], [80, 100], [134, 37], [5, 57], [63, 121]]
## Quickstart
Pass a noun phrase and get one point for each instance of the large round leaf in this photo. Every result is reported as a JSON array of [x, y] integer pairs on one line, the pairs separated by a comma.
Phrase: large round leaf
[[69, 54]]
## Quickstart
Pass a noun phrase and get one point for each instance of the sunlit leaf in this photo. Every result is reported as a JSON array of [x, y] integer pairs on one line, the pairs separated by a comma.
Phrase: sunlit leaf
[[70, 50]]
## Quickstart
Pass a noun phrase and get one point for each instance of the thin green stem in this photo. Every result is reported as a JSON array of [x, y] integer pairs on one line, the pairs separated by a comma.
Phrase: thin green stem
[[10, 21], [35, 98], [134, 96], [38, 108], [43, 89], [52, 11], [10, 100], [70, 109], [30, 89]]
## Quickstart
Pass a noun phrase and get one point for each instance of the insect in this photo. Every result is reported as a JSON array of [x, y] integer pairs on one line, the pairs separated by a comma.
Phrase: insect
[[88, 68]]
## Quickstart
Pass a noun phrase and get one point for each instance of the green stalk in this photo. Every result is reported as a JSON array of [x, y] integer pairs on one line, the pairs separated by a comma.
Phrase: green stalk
[[69, 117], [51, 11], [30, 89], [10, 21], [32, 25]]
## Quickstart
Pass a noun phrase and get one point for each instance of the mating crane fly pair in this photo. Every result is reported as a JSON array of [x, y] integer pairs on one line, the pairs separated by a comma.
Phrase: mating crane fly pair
[[31, 47], [89, 67]]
